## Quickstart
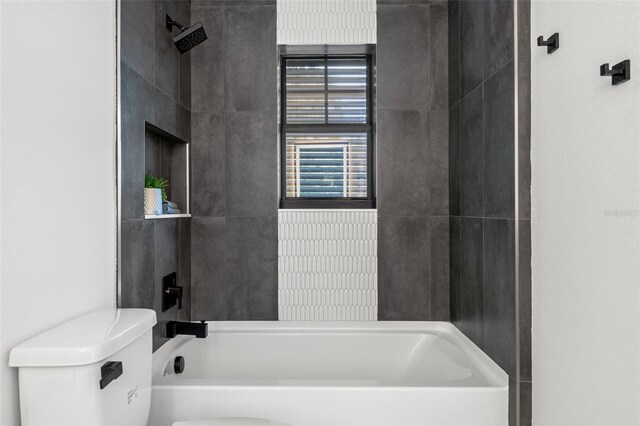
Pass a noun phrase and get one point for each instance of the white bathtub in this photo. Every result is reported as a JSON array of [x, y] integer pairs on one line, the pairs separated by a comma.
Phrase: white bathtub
[[331, 373]]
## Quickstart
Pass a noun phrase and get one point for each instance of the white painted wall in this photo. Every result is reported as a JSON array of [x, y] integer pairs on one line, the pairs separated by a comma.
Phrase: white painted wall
[[57, 169], [586, 216]]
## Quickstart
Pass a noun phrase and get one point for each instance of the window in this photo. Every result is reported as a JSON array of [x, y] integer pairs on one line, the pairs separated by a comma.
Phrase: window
[[326, 132]]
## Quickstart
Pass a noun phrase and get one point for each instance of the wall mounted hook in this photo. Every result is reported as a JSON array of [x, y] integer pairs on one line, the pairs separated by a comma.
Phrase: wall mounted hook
[[619, 73], [553, 43]]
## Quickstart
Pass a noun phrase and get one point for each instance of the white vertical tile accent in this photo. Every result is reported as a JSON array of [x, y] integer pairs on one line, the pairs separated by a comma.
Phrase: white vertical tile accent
[[326, 21], [327, 265]]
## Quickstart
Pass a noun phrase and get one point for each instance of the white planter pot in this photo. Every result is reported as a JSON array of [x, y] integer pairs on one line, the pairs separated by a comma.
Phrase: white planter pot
[[152, 201]]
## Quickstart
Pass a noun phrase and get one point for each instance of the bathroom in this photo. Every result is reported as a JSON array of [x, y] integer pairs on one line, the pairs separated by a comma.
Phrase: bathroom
[[467, 255]]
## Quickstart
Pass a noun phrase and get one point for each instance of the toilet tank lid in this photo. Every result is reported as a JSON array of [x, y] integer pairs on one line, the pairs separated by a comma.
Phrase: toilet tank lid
[[84, 340]]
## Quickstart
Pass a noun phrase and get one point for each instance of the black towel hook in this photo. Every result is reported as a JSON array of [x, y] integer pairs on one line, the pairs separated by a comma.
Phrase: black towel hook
[[553, 43], [619, 73]]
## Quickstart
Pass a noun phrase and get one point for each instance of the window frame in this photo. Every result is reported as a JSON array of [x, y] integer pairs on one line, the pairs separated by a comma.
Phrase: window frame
[[368, 127]]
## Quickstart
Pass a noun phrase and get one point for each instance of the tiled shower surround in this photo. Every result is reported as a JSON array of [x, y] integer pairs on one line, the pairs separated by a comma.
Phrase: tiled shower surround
[[234, 161], [412, 160], [446, 220], [155, 88], [483, 221]]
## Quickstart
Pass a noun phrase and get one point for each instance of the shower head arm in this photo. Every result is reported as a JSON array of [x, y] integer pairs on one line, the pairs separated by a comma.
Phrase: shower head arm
[[170, 23]]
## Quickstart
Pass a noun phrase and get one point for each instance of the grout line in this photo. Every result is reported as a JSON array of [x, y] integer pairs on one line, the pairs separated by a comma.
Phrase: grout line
[[118, 171], [482, 83], [516, 64], [481, 217]]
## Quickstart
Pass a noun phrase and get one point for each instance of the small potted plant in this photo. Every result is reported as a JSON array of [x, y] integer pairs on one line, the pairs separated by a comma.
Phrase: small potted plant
[[154, 193]]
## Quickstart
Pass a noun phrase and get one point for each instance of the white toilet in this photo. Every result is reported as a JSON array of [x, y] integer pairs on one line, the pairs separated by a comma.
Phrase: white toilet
[[94, 370], [231, 421]]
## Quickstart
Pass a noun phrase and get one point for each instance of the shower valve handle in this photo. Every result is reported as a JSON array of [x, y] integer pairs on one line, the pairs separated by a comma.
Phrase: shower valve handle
[[176, 294]]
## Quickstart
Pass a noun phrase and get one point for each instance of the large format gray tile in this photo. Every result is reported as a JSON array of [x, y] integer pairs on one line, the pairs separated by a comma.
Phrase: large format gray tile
[[454, 269], [439, 58], [499, 183], [438, 162], [138, 35], [524, 137], [498, 38], [403, 152], [252, 268], [409, 2], [525, 404], [471, 163], [208, 270], [184, 81], [167, 258], [454, 160], [454, 51], [404, 290], [208, 3], [207, 62], [524, 262], [439, 268], [153, 152], [403, 58], [471, 292], [524, 27], [512, 402], [184, 123], [137, 264], [251, 175], [471, 44], [207, 165], [499, 292], [250, 58], [137, 106], [169, 161], [184, 267], [167, 69], [167, 112], [167, 249]]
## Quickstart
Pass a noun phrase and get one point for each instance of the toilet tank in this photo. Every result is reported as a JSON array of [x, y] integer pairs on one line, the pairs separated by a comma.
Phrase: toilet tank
[[93, 370]]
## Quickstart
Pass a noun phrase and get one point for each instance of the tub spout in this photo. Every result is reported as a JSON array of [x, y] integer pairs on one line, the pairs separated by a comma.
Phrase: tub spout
[[200, 330]]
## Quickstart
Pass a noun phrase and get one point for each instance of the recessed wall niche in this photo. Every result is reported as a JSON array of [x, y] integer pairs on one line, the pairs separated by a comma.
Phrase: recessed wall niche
[[167, 156]]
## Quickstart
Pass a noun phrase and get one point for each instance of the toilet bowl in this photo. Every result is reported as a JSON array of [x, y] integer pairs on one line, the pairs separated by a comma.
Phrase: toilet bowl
[[94, 370]]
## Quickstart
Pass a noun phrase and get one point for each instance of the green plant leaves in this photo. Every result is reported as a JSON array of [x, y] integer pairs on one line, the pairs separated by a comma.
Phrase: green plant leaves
[[151, 181]]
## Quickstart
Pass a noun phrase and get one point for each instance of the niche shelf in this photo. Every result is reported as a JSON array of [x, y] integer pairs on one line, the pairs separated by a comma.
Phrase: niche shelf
[[167, 156], [166, 216]]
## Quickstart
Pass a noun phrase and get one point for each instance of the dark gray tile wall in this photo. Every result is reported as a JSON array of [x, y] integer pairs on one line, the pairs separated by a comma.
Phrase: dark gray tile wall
[[155, 85], [234, 162], [208, 247], [498, 284], [471, 164], [482, 185], [252, 267], [404, 290], [471, 283], [524, 206], [412, 64], [498, 147]]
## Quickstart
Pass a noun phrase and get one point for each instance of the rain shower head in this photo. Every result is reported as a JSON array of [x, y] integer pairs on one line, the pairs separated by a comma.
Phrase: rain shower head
[[188, 37]]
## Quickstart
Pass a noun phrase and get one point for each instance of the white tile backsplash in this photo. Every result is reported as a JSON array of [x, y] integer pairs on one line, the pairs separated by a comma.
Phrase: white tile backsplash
[[326, 21], [327, 265]]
